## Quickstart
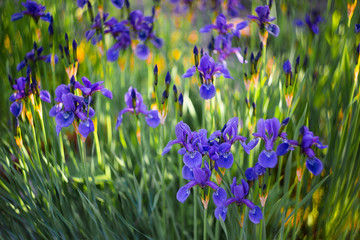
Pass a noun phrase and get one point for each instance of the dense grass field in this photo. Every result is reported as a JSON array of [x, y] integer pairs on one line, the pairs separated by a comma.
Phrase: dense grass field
[[260, 101]]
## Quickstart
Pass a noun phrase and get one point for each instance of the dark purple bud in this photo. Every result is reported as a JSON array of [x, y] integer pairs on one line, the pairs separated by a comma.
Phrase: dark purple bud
[[167, 79], [247, 102], [35, 46], [254, 107], [285, 121], [224, 127], [74, 44], [201, 52], [67, 53], [196, 56], [11, 81], [306, 60], [252, 58], [357, 28], [181, 102], [245, 52], [287, 67], [133, 94], [297, 64], [61, 51], [270, 3], [175, 93], [72, 84], [165, 96], [127, 4], [156, 75], [66, 38], [211, 45], [181, 99], [261, 46]]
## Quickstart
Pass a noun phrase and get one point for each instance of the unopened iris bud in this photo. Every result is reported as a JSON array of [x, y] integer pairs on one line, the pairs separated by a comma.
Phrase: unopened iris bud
[[252, 61], [11, 81], [211, 45], [61, 51], [247, 102], [90, 11], [51, 31], [72, 84], [245, 52], [167, 78], [156, 75], [270, 3], [196, 56], [288, 72], [127, 4], [283, 124], [35, 46], [201, 52], [175, 93], [74, 45], [67, 40], [297, 64], [164, 97], [67, 53], [181, 102], [306, 60], [254, 107]]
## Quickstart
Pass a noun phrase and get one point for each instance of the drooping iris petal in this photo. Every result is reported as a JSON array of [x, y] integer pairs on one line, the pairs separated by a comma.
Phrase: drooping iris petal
[[273, 29], [107, 93], [17, 16], [182, 151], [207, 91], [64, 118], [142, 51], [282, 149], [220, 212], [152, 119], [16, 108], [206, 28], [45, 96], [183, 194], [169, 146], [225, 160], [314, 165], [255, 215], [157, 42], [190, 72], [192, 159], [219, 197], [118, 3], [113, 53], [86, 127], [268, 159]]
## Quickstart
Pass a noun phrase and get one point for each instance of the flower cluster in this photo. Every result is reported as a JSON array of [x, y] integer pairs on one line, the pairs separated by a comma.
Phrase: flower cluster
[[23, 90], [135, 104], [195, 147], [137, 29], [312, 21], [223, 42], [34, 10], [75, 109], [313, 164], [35, 55]]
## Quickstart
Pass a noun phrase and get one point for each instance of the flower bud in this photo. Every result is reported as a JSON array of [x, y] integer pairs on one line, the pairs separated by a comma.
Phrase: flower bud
[[74, 45], [11, 81], [245, 52], [175, 93], [196, 56], [254, 107], [181, 102], [164, 97], [247, 102], [61, 51], [72, 84]]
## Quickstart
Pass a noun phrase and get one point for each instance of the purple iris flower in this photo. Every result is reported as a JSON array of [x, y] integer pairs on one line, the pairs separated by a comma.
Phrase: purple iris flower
[[313, 164], [181, 6], [194, 144], [269, 131], [312, 21], [88, 89], [221, 142], [240, 193], [71, 107], [234, 7], [81, 3], [35, 55], [208, 69], [143, 30], [95, 32], [23, 89], [263, 20], [135, 104], [223, 47], [254, 172], [121, 34], [201, 177], [34, 10], [220, 25]]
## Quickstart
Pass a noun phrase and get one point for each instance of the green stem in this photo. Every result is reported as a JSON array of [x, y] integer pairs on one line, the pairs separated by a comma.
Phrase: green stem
[[195, 213], [205, 223], [163, 178]]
